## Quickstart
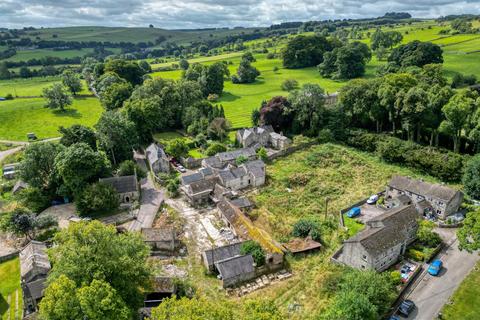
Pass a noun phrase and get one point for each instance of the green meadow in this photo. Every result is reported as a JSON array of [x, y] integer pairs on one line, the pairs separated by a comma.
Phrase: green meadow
[[30, 87], [10, 307], [41, 53], [21, 116]]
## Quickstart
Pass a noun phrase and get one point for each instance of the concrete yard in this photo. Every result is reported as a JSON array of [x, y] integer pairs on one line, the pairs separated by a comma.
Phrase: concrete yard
[[368, 212]]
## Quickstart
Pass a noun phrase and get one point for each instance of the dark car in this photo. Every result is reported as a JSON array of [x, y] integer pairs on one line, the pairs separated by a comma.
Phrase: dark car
[[406, 307]]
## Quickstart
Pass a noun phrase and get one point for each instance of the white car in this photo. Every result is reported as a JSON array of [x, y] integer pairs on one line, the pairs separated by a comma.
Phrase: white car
[[373, 199], [181, 169]]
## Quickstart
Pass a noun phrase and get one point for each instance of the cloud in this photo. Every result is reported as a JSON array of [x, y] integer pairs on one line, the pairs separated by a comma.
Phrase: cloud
[[212, 13]]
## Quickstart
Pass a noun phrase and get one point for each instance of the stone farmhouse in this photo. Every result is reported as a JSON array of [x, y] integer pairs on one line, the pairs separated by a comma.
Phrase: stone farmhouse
[[162, 241], [251, 173], [264, 136], [382, 242], [157, 159], [34, 268], [437, 199], [126, 187], [222, 159], [232, 267]]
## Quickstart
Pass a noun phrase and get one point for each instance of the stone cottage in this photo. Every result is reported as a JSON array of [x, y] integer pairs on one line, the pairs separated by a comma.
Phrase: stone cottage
[[34, 268], [157, 159], [264, 136], [222, 159], [126, 187], [438, 199], [383, 241], [161, 240], [198, 192]]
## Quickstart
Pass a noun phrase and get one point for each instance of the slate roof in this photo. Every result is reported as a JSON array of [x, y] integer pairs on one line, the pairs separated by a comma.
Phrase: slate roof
[[241, 202], [154, 153], [36, 288], [222, 253], [190, 178], [255, 167], [226, 175], [278, 136], [232, 155], [34, 259], [423, 188], [387, 230], [206, 171], [122, 184], [235, 266], [202, 186], [229, 211], [159, 234]]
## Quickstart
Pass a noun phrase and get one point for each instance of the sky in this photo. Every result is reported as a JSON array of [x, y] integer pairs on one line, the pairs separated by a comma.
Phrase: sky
[[186, 14]]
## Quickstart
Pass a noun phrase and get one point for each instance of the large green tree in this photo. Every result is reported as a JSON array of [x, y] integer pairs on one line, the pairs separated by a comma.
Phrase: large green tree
[[471, 177], [128, 70], [305, 51], [117, 136], [88, 251], [308, 109], [57, 97], [469, 234], [115, 95], [79, 165], [71, 80], [78, 133], [416, 53]]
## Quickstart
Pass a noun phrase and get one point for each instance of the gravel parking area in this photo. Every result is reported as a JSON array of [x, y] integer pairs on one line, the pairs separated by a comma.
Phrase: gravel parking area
[[368, 212]]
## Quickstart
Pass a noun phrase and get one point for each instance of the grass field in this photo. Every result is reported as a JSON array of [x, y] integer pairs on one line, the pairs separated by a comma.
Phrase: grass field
[[466, 300], [40, 53], [30, 87], [10, 308], [20, 116]]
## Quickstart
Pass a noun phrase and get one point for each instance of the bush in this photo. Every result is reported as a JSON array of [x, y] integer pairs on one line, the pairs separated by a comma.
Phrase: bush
[[257, 252], [307, 227], [396, 277], [9, 96], [240, 160], [129, 168], [289, 85], [96, 199], [415, 254], [427, 236], [471, 178], [215, 148], [270, 56], [34, 199]]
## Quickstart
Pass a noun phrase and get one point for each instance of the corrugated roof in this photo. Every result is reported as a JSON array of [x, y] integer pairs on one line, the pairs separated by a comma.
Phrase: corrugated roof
[[235, 266]]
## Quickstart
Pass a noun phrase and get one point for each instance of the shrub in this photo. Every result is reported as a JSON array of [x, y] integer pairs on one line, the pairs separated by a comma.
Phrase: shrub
[[307, 227], [427, 236], [9, 96], [415, 254], [396, 277], [129, 168], [97, 198], [34, 199], [270, 56], [254, 248], [289, 85], [240, 160], [215, 148], [262, 154]]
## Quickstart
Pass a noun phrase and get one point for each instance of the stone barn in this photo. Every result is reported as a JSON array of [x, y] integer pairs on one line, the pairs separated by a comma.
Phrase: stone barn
[[126, 187]]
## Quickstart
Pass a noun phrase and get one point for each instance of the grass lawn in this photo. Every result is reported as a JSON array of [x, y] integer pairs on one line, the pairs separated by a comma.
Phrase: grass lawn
[[9, 285], [20, 116], [466, 300], [30, 87]]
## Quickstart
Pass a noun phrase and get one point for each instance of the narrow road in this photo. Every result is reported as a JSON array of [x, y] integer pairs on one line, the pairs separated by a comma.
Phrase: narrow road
[[149, 205], [431, 293], [6, 153]]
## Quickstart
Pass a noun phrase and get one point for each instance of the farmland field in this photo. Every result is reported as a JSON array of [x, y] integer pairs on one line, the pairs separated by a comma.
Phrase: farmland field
[[10, 290], [21, 116], [40, 53], [30, 87]]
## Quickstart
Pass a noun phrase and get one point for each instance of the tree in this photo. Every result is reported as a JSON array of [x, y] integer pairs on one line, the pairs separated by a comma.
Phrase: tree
[[106, 80], [414, 107], [218, 128], [262, 154], [387, 39], [289, 85], [471, 177], [117, 136], [79, 165], [115, 95], [88, 251], [34, 199], [183, 64], [20, 222], [416, 53], [469, 234], [146, 67], [246, 73], [194, 309], [308, 108], [255, 249], [215, 148], [457, 112], [275, 113], [4, 72], [71, 80], [129, 168], [346, 62], [305, 51], [96, 199], [177, 148], [211, 79], [461, 25], [426, 235], [255, 116], [351, 306], [57, 97], [128, 70], [64, 300], [78, 133], [38, 166]]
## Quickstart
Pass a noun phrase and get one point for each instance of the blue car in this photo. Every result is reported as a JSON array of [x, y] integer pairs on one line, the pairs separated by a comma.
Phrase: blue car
[[354, 212], [435, 267]]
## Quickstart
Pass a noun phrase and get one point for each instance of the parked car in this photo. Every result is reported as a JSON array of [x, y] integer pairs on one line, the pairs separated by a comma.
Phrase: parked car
[[435, 267], [406, 307], [405, 269], [354, 212], [181, 169], [373, 199]]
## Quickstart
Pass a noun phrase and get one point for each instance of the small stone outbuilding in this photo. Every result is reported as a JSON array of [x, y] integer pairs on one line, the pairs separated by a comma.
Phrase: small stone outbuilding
[[161, 240], [157, 159], [126, 187]]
